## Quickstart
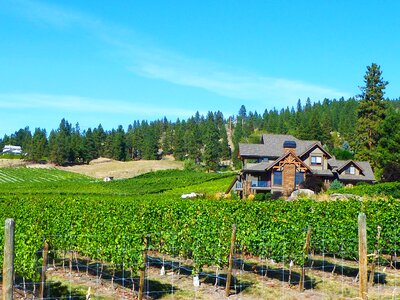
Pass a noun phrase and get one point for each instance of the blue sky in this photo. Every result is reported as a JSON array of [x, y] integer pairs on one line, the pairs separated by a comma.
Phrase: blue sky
[[113, 62]]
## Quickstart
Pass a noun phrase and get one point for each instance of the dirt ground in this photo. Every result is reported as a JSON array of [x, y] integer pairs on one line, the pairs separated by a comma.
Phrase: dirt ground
[[12, 163], [251, 280], [103, 167]]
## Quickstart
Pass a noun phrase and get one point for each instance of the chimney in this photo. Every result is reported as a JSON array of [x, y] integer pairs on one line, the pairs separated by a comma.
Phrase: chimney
[[289, 146]]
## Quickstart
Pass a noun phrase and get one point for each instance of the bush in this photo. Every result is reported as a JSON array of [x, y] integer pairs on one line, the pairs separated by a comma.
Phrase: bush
[[263, 196], [313, 183], [259, 197], [335, 185], [234, 195], [190, 165]]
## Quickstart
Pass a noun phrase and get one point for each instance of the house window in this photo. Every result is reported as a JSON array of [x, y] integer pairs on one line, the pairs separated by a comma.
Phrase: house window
[[350, 170], [278, 178], [299, 178], [316, 160]]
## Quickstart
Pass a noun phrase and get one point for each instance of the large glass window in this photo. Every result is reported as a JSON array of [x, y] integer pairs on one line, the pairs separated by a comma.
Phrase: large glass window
[[316, 160], [299, 178], [277, 177]]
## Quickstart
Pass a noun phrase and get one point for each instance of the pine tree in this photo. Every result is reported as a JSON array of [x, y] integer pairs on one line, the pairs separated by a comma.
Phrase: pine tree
[[371, 113], [236, 139], [90, 151], [211, 147], [389, 145], [60, 145], [119, 144], [193, 140], [38, 147], [242, 112], [150, 143], [225, 149], [179, 142]]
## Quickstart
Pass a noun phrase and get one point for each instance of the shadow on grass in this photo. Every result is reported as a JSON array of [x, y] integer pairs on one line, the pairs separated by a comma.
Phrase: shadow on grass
[[281, 274], [342, 270], [205, 277]]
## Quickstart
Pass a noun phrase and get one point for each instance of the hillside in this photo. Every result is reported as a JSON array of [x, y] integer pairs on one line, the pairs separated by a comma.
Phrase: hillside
[[100, 168], [103, 167]]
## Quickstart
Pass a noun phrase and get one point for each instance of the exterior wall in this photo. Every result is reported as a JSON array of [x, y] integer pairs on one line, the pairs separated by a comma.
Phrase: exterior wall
[[357, 171], [260, 176], [317, 152]]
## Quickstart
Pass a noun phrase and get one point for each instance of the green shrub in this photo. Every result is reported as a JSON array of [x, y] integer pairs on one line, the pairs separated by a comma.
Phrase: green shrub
[[259, 197], [263, 196], [234, 195], [335, 185], [190, 165]]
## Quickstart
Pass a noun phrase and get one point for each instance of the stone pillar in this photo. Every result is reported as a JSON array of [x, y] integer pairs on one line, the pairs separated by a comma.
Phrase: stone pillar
[[288, 180]]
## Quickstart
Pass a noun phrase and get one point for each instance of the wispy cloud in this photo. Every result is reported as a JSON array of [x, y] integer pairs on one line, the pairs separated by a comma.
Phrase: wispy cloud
[[50, 14], [70, 103], [237, 85], [147, 60]]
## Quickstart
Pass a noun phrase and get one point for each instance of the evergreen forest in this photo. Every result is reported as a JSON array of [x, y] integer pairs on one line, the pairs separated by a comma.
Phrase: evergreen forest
[[364, 127]]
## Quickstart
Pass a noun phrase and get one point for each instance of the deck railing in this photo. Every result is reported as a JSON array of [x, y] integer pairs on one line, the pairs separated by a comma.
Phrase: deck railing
[[239, 185], [260, 184]]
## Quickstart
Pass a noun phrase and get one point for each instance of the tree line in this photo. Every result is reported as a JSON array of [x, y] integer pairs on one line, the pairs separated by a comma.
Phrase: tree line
[[365, 127], [202, 139]]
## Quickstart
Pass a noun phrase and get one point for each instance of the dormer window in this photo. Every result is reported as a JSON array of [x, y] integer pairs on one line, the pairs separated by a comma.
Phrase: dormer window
[[350, 170], [316, 160]]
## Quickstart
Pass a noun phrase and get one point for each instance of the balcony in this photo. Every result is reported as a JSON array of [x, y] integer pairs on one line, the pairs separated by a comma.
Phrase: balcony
[[239, 185], [260, 184]]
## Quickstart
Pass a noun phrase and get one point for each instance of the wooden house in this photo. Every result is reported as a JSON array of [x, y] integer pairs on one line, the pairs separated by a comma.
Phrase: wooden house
[[280, 163]]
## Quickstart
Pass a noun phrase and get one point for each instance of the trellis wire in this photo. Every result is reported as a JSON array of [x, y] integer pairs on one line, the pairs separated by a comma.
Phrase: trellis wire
[[327, 264]]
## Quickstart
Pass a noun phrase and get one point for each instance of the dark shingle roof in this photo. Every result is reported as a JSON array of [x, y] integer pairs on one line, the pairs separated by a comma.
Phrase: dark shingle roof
[[255, 150], [272, 146], [323, 172], [333, 163], [368, 174], [262, 166]]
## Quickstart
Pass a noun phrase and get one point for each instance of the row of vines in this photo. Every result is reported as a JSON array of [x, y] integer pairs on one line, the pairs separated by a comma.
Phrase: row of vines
[[382, 189], [52, 181], [110, 228]]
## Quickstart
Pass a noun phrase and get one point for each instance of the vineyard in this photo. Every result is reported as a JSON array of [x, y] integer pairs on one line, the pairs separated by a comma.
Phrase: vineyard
[[107, 223], [33, 175]]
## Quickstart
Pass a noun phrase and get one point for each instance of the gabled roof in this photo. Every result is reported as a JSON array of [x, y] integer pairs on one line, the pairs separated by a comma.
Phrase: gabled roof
[[312, 146], [274, 143], [258, 167], [252, 150], [272, 146], [346, 163], [363, 166], [274, 163]]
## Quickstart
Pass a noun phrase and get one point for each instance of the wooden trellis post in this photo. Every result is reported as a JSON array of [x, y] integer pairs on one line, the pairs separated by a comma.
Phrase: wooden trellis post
[[230, 266], [363, 259], [8, 262], [44, 269], [142, 271], [306, 251]]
